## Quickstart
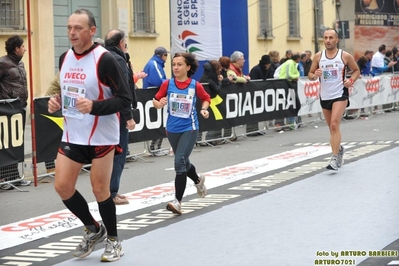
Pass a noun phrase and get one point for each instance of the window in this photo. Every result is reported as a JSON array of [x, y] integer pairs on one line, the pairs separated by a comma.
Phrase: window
[[265, 18], [320, 18], [143, 17], [12, 14], [293, 16]]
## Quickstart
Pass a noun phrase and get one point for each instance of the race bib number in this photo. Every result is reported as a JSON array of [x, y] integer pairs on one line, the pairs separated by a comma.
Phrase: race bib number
[[70, 96], [180, 105], [330, 74]]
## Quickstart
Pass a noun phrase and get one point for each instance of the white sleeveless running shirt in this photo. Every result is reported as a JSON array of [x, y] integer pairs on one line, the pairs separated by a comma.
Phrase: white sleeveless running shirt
[[78, 78], [332, 85]]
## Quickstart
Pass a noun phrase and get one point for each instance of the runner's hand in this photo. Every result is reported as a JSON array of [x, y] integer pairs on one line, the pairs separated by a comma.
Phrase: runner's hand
[[131, 124], [84, 105], [54, 104]]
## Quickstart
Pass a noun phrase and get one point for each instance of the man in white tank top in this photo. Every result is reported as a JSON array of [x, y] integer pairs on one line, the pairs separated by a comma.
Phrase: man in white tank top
[[328, 67], [93, 92]]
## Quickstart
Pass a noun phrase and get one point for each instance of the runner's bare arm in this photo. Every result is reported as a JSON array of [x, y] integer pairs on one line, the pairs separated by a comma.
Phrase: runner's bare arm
[[313, 72]]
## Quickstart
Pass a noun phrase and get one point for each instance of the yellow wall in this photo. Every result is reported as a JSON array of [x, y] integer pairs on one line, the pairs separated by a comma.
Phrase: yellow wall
[[141, 46], [41, 47], [279, 41]]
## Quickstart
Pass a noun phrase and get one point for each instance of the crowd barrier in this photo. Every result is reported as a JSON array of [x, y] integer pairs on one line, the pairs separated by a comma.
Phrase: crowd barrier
[[12, 126], [366, 92], [235, 105]]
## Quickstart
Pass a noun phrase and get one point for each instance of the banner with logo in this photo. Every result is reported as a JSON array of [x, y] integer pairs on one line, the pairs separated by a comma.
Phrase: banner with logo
[[12, 130], [48, 130], [365, 92], [236, 104], [209, 29], [196, 28], [150, 122], [376, 23], [256, 101]]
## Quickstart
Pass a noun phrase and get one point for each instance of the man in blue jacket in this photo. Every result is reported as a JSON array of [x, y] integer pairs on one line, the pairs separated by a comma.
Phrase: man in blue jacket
[[155, 76], [155, 69]]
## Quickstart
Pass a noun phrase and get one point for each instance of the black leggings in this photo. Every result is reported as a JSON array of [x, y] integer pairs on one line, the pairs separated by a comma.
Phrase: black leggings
[[182, 145]]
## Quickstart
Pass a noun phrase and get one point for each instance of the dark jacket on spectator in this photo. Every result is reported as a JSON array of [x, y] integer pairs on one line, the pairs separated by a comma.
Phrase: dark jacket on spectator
[[260, 72], [210, 76], [13, 82]]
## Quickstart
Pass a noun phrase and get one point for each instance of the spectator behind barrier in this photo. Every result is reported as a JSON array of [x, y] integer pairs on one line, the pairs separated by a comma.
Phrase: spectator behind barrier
[[155, 77]]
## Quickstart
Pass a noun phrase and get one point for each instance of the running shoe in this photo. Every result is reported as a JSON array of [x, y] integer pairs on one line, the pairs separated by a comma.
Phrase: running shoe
[[120, 201], [333, 165], [201, 188], [340, 160], [174, 207], [89, 241], [113, 251], [159, 153], [23, 183]]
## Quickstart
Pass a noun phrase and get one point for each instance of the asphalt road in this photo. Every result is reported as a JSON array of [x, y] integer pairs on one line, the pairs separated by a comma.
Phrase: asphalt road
[[372, 143]]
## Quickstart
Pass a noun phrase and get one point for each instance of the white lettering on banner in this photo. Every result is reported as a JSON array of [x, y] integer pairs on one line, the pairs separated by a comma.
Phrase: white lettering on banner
[[203, 13], [17, 134], [244, 103], [152, 124], [258, 109], [246, 106], [233, 98], [145, 118]]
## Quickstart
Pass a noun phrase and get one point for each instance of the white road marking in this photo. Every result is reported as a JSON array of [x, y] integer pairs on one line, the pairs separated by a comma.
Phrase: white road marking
[[57, 222]]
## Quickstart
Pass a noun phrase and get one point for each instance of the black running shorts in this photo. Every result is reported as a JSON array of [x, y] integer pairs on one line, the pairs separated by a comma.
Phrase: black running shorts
[[327, 104], [83, 153]]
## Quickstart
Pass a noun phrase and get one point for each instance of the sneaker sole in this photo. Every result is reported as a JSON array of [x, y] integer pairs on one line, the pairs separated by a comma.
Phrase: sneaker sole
[[170, 207], [103, 259], [329, 167]]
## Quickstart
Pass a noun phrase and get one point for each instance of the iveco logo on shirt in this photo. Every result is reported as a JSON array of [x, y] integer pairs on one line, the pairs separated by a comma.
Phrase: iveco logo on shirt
[[74, 75]]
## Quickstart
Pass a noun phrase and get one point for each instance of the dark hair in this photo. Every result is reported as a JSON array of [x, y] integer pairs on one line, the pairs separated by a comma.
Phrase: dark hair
[[90, 16], [12, 43], [382, 48], [190, 61], [388, 53], [224, 61], [115, 39], [215, 66], [303, 56], [362, 62], [295, 57], [394, 50]]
